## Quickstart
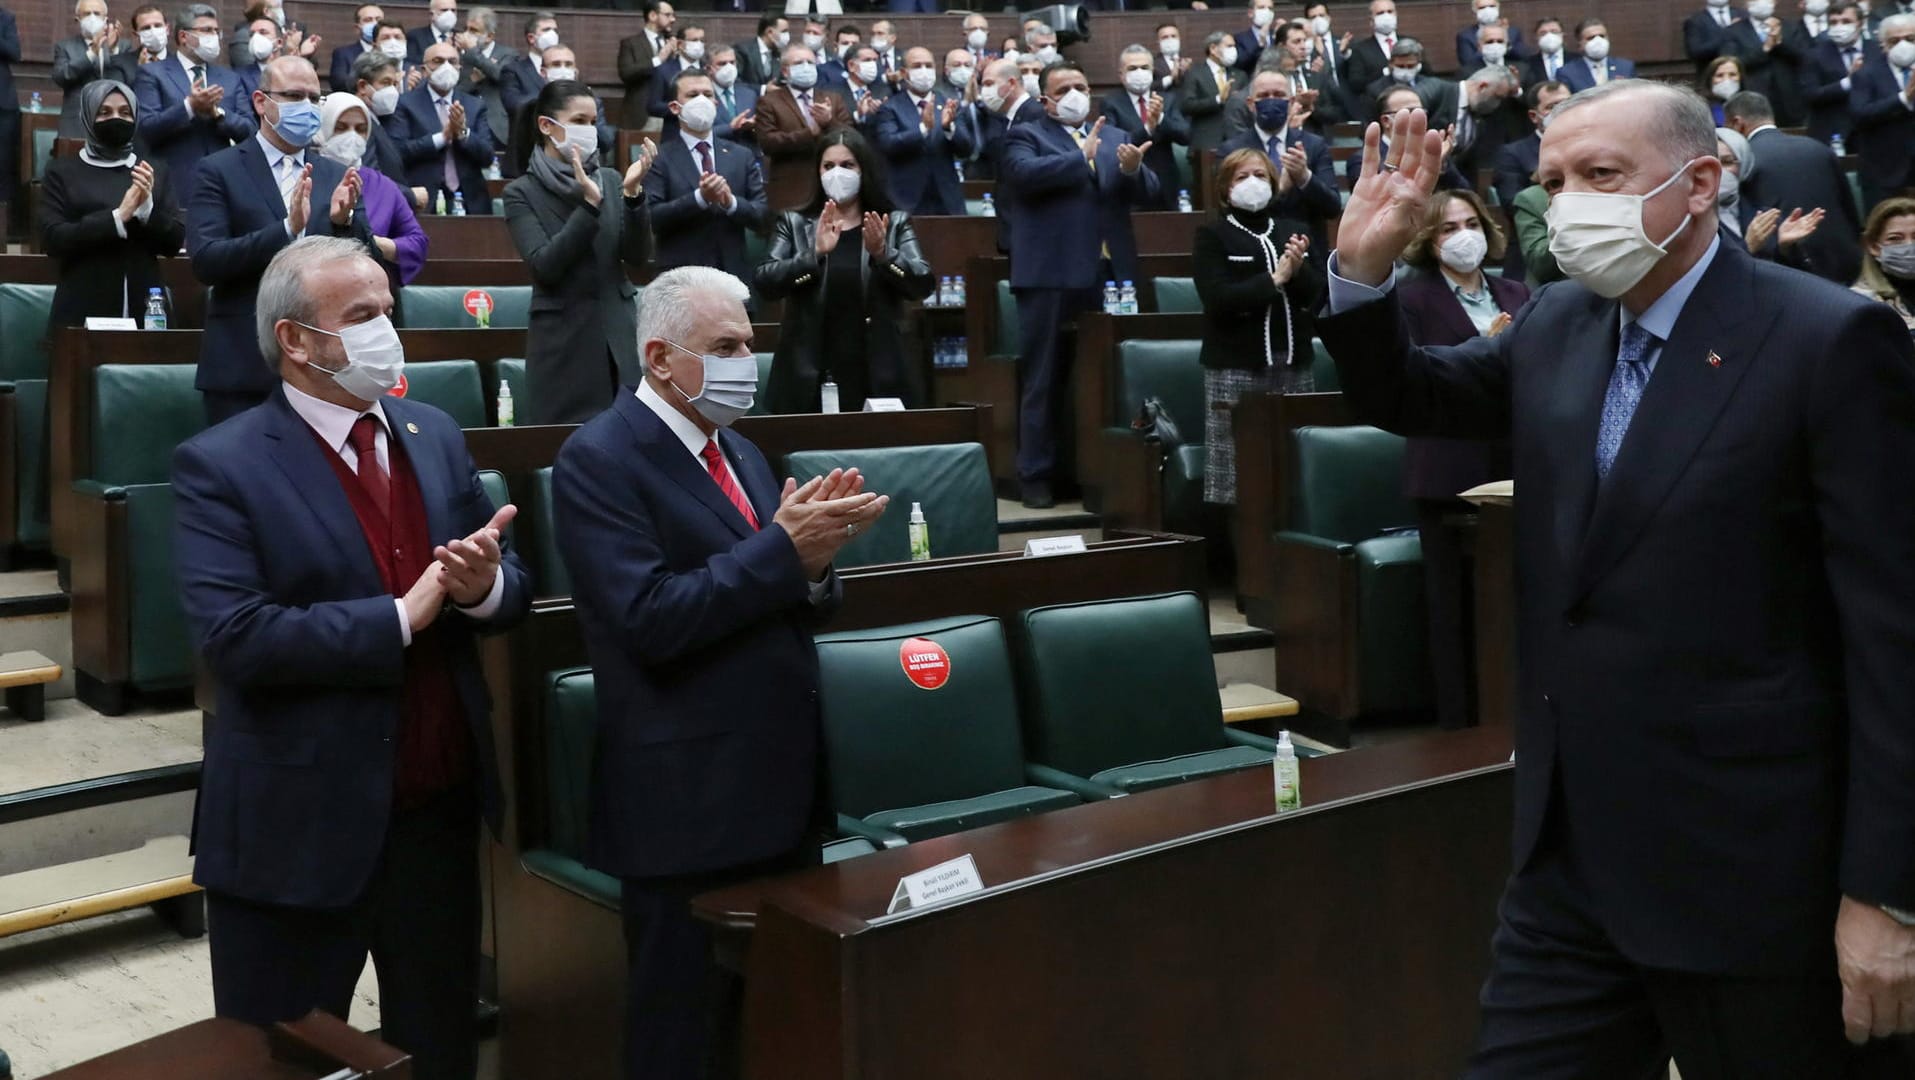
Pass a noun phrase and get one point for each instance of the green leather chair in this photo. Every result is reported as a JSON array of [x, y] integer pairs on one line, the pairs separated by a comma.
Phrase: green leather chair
[[1178, 295], [131, 631], [1006, 343], [1350, 523], [571, 727], [442, 307], [493, 481], [951, 481], [758, 406], [549, 576], [451, 385], [23, 330], [908, 763], [43, 144], [1167, 370], [1323, 368], [24, 363], [1124, 693]]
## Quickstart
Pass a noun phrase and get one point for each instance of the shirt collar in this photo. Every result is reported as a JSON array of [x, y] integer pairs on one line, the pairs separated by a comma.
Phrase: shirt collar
[[332, 422], [1464, 294], [1660, 318], [274, 153], [692, 141], [679, 424], [187, 63], [1760, 130]]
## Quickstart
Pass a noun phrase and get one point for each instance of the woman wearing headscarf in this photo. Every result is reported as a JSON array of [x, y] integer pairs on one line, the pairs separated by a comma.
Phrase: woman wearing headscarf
[[1760, 228], [106, 217], [344, 128]]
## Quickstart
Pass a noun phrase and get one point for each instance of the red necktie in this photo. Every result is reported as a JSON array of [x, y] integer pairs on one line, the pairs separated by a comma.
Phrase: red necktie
[[715, 464], [1389, 46], [1143, 112], [704, 157], [371, 476]]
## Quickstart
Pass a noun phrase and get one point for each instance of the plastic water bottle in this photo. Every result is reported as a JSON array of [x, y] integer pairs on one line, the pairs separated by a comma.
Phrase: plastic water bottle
[[458, 204], [920, 535], [828, 397], [1111, 303], [944, 291], [1183, 201], [1289, 790], [957, 290], [155, 310], [492, 169], [990, 205], [34, 104], [506, 411], [1127, 299], [1835, 144]]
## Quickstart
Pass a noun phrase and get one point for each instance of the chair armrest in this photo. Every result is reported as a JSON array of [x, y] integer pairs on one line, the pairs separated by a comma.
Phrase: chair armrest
[[1322, 543], [1255, 742], [883, 838], [1045, 776]]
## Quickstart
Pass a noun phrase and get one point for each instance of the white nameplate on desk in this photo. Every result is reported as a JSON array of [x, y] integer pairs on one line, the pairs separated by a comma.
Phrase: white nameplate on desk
[[1054, 545], [945, 881], [883, 404], [103, 322]]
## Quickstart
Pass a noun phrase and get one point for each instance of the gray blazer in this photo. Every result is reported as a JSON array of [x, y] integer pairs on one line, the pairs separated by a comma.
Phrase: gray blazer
[[584, 319], [488, 69], [73, 68]]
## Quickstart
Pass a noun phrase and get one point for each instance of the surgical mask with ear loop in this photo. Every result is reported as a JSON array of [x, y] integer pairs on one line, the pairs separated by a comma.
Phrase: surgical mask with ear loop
[[374, 358], [730, 390], [1597, 237]]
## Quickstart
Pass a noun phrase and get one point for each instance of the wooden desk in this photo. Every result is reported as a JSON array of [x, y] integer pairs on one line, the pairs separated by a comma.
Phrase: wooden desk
[[318, 1045], [1180, 932], [950, 243], [1261, 425], [188, 295], [482, 237], [1122, 478]]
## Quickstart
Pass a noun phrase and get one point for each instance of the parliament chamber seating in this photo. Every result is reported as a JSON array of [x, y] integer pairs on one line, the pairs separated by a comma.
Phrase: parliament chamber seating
[[571, 728], [23, 412], [1173, 295], [1166, 372], [549, 576], [509, 370], [907, 762], [452, 385], [442, 307], [952, 482]]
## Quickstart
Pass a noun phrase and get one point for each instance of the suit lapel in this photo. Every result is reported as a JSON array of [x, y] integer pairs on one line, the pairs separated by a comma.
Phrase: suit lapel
[[436, 487], [262, 175], [301, 457], [663, 448], [761, 489], [1575, 417], [1679, 408]]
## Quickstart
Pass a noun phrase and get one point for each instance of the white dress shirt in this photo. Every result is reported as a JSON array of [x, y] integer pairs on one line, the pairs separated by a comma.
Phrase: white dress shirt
[[447, 100], [333, 423], [710, 139]]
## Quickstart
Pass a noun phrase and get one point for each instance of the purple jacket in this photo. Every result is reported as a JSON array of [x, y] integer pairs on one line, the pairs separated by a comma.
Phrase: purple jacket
[[1440, 468], [389, 214]]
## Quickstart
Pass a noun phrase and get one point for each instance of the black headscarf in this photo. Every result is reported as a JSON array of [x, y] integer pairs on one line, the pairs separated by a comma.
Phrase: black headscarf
[[92, 95]]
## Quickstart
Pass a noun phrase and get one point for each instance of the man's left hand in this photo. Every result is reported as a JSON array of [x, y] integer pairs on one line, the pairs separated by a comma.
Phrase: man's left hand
[[471, 564], [1129, 157], [1296, 165], [345, 197], [1875, 956]]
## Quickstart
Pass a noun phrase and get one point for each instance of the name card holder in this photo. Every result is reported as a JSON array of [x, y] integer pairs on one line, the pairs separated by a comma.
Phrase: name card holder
[[104, 322], [945, 881], [884, 404], [1054, 545]]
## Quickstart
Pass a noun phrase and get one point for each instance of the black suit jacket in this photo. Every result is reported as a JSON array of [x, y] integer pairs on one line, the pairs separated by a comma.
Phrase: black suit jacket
[[1119, 109], [1366, 65], [690, 235], [1712, 680], [413, 124], [1794, 172], [1441, 98], [1704, 39], [1823, 96]]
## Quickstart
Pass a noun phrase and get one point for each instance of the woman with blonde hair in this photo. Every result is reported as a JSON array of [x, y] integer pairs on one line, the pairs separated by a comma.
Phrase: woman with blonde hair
[[1888, 257]]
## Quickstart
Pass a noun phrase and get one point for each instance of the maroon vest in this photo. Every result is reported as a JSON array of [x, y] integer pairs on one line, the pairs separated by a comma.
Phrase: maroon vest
[[435, 749]]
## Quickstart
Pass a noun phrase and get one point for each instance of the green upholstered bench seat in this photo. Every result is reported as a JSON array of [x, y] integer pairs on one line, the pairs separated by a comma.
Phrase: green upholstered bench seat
[[24, 309], [1152, 774], [453, 386], [951, 481], [570, 874], [549, 576], [442, 307], [957, 815], [30, 462], [509, 370], [1178, 295]]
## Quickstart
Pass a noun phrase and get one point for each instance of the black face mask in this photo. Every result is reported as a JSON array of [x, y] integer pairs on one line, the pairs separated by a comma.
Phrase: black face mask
[[114, 132]]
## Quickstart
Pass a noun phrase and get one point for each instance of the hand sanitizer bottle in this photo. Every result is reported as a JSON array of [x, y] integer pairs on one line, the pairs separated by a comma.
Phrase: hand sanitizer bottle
[[506, 411], [828, 397], [1289, 791], [920, 535], [1183, 201]]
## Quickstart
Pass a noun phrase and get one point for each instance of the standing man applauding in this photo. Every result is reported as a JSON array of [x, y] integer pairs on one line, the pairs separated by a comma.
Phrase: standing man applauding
[[1715, 475]]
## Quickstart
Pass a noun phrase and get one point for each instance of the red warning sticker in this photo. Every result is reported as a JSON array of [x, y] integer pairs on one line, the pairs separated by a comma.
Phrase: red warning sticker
[[476, 299], [925, 662], [399, 390]]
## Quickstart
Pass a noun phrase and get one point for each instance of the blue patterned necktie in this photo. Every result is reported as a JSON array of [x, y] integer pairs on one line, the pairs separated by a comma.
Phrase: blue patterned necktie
[[1625, 393]]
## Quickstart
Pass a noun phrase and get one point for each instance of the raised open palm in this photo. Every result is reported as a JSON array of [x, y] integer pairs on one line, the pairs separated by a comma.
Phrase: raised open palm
[[1386, 207]]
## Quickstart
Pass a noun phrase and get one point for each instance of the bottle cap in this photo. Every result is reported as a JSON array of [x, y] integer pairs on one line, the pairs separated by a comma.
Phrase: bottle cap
[[917, 514], [1284, 745]]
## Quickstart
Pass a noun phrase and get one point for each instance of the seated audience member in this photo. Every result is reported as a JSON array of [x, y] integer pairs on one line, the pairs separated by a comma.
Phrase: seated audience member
[[580, 346], [1451, 301], [1531, 213], [1761, 228], [916, 131], [1470, 39], [1882, 106], [1310, 192], [106, 217], [189, 106], [1149, 119], [1259, 292], [792, 117], [1516, 164], [344, 127], [1595, 66], [366, 18], [1547, 64], [704, 192], [443, 135], [1722, 79], [1830, 66], [1888, 257], [844, 263], [1800, 174], [1407, 68]]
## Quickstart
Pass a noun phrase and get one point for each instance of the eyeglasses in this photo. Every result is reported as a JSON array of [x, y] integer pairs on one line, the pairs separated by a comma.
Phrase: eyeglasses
[[291, 96]]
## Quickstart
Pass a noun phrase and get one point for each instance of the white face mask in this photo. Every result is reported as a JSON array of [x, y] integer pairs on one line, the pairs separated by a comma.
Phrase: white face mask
[[545, 40], [725, 74], [557, 74], [384, 100], [1137, 81], [880, 42], [1250, 194], [1229, 57], [922, 79], [1073, 108], [1406, 75], [840, 183], [1012, 55], [730, 390], [783, 38], [1262, 17], [1903, 54], [1842, 33], [393, 48], [1716, 3], [153, 39], [1495, 53], [867, 71], [1464, 250], [1487, 16], [698, 114], [694, 51], [1171, 47], [444, 21], [1030, 85], [91, 25], [1818, 8], [959, 77], [1597, 237], [1726, 89], [374, 358], [444, 78], [1730, 189], [1761, 9], [977, 39], [1596, 48], [1551, 43], [1320, 26], [582, 136], [262, 46], [1047, 55], [814, 41], [347, 148], [1385, 23], [803, 76], [208, 47]]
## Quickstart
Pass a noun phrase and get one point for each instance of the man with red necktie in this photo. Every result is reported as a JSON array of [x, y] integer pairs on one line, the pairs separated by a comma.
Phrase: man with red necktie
[[699, 584]]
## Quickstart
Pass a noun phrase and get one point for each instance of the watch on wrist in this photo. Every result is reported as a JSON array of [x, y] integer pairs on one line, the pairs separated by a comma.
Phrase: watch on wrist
[[1900, 915]]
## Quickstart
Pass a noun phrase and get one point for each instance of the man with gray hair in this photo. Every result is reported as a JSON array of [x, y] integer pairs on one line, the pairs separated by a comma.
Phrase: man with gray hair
[[1441, 97], [482, 62], [1209, 90], [1148, 117], [337, 560], [699, 584], [1714, 849]]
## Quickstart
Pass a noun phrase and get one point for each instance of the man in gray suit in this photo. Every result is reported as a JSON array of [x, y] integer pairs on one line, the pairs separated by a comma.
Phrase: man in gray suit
[[1210, 87], [483, 60], [95, 52]]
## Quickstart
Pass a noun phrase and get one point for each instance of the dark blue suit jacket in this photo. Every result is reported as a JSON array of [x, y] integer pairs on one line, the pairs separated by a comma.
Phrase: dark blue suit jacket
[[1709, 638], [1704, 39], [173, 133], [1515, 164], [924, 176], [1884, 132], [382, 153], [1822, 75], [519, 83], [1247, 48], [1062, 213], [690, 235], [305, 649], [343, 57], [1119, 108], [413, 124], [699, 630], [235, 224], [1575, 73]]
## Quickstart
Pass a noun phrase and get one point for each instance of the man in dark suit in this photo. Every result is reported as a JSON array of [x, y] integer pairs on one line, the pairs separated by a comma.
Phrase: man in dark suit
[[443, 135], [376, 82], [350, 755], [1712, 738], [442, 25], [863, 87], [93, 52], [1148, 118], [1880, 97], [737, 100], [1706, 33], [249, 201], [640, 55], [1072, 188], [1310, 192], [367, 18], [1370, 56], [704, 191], [482, 62], [9, 112], [1547, 63], [1441, 97], [1797, 173], [1516, 164], [688, 53], [916, 131], [1490, 111], [1469, 40], [1209, 88], [1261, 34], [761, 58], [1001, 102], [521, 77], [1314, 92], [699, 585], [1595, 66], [190, 108], [1832, 63]]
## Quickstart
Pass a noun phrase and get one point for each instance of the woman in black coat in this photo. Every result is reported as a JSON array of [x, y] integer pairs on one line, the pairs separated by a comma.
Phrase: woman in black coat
[[106, 217], [844, 264], [1258, 291]]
